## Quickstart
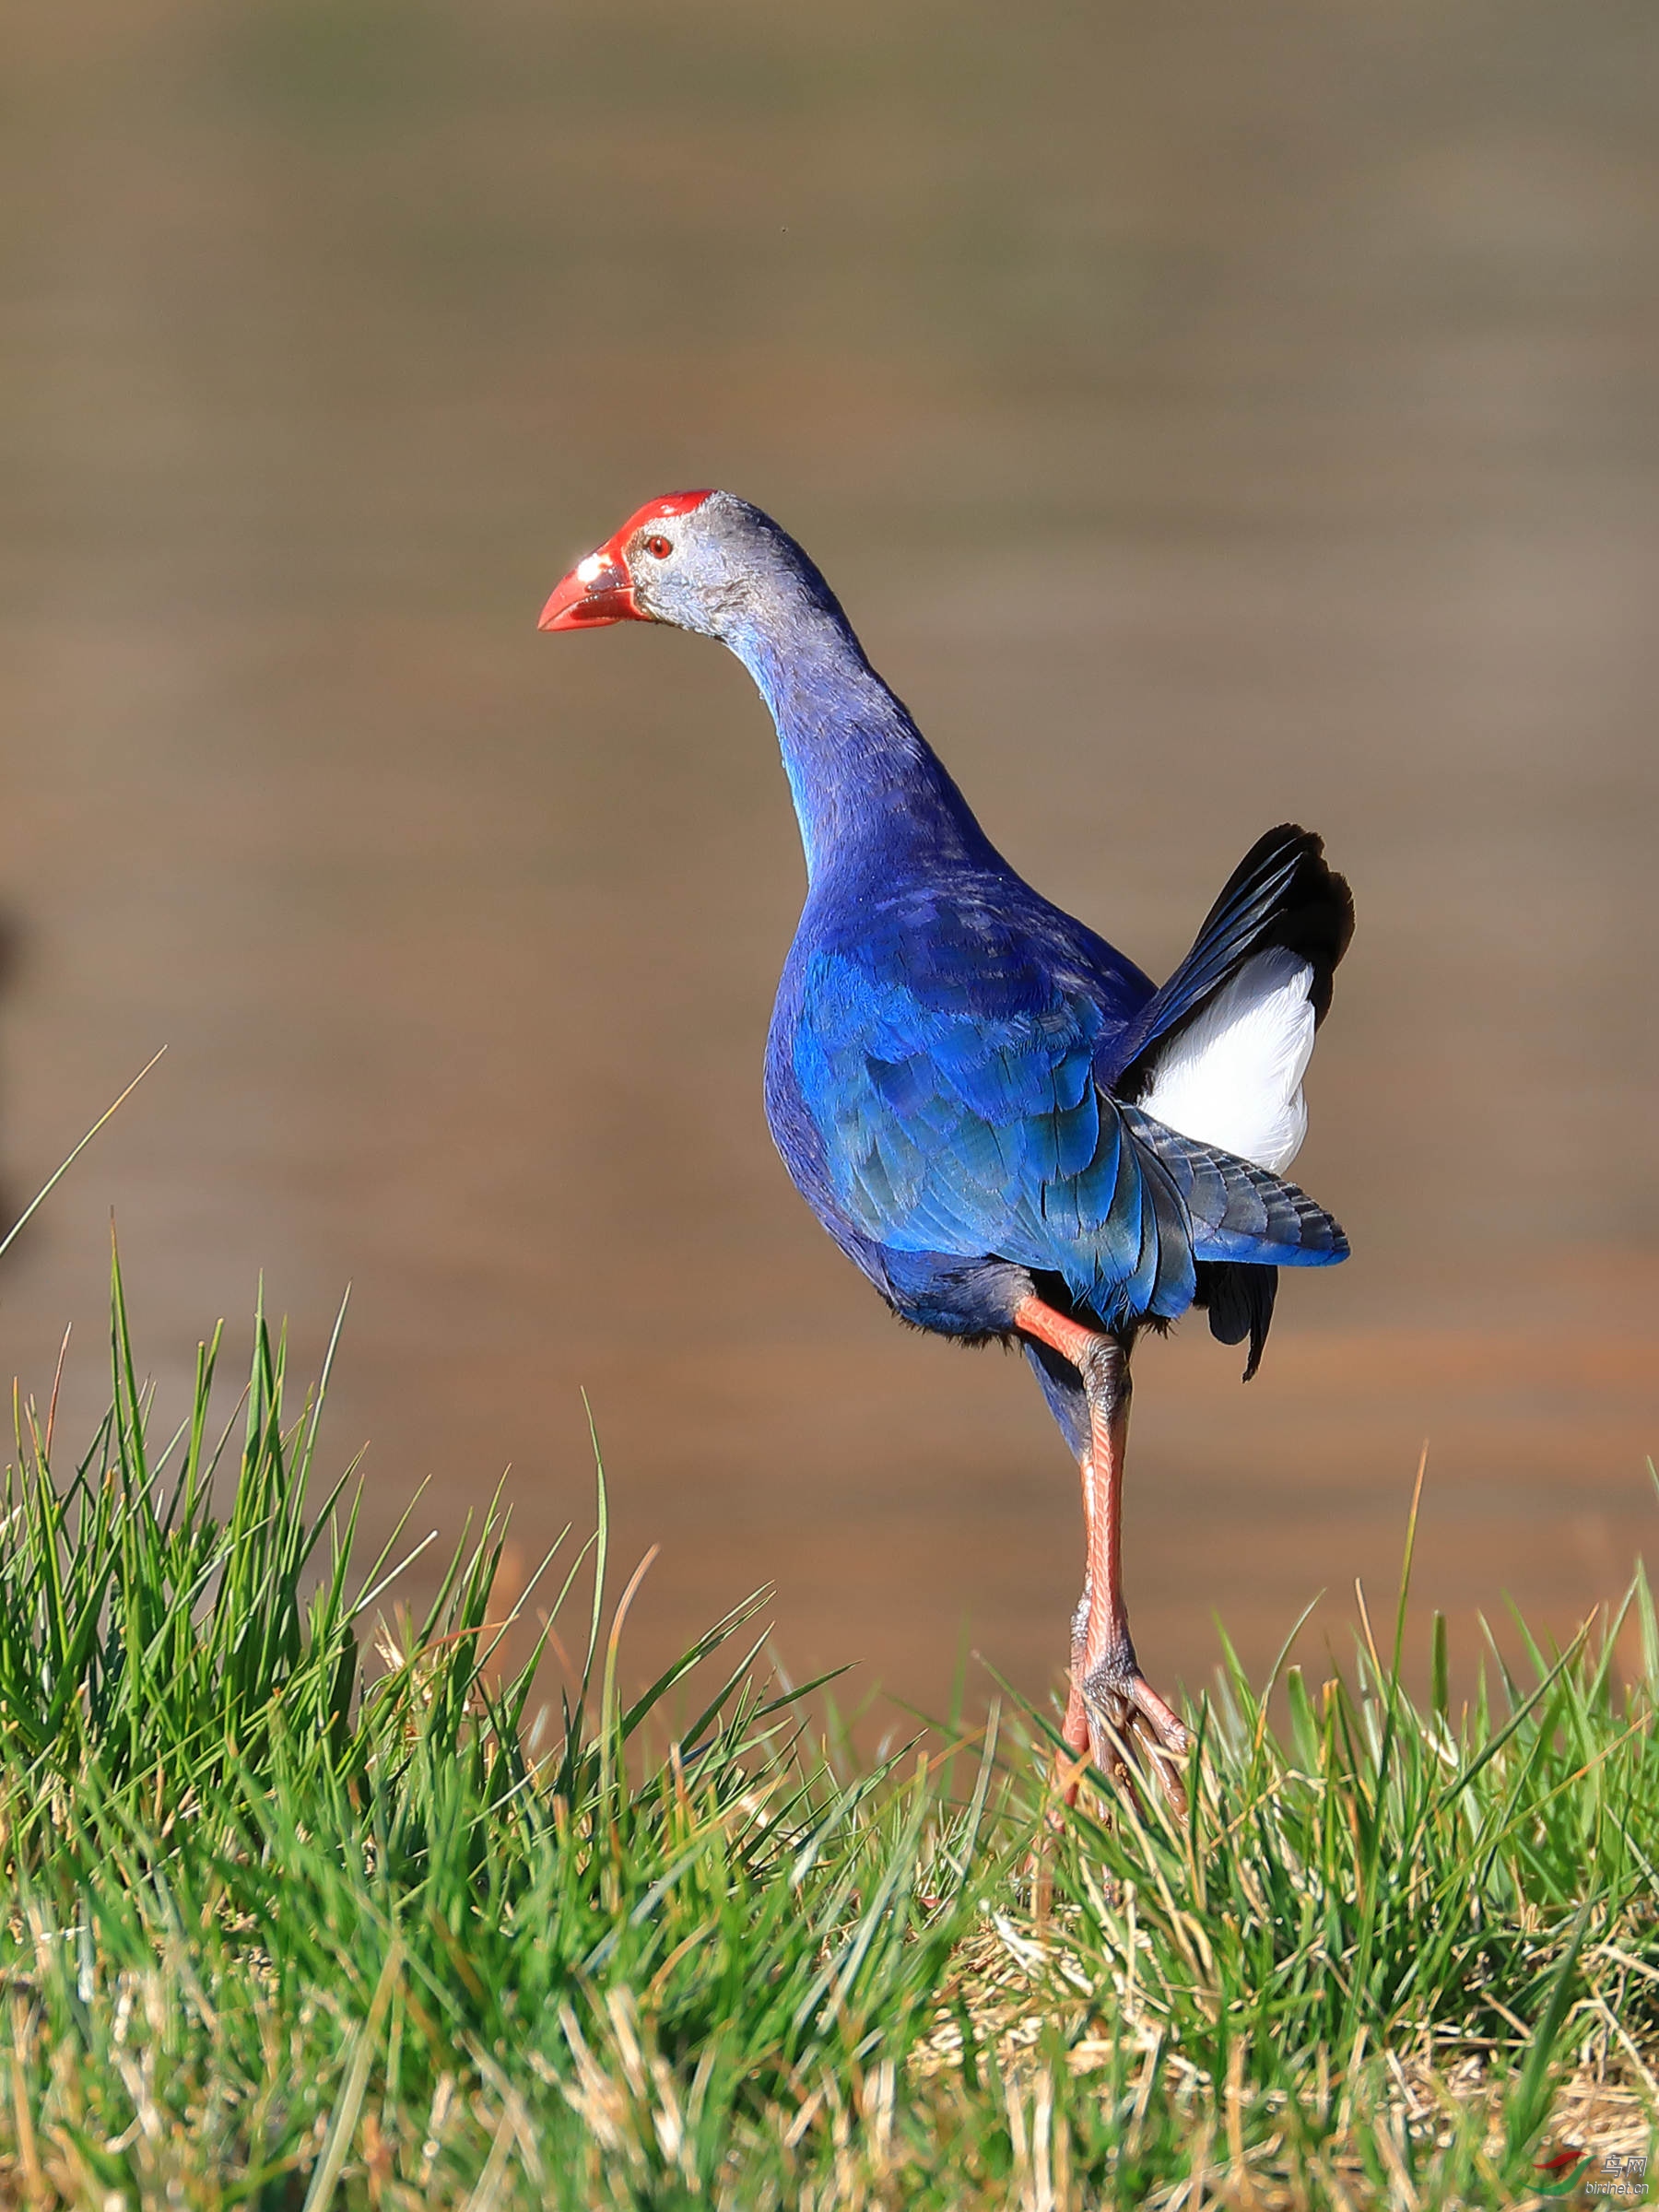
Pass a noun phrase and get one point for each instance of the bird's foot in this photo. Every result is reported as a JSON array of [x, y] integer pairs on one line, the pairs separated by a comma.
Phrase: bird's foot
[[1129, 1724]]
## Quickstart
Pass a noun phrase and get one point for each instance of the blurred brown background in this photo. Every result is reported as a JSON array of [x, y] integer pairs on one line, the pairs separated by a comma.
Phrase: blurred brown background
[[1208, 414]]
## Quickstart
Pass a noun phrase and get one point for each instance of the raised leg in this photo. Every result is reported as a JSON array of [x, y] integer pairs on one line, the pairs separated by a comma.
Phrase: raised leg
[[1111, 1707]]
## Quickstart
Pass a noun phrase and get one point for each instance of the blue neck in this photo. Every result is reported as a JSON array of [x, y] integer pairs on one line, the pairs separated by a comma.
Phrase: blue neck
[[869, 791]]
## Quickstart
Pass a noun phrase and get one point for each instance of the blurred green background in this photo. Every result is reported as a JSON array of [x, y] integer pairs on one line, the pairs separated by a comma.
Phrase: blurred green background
[[1208, 414]]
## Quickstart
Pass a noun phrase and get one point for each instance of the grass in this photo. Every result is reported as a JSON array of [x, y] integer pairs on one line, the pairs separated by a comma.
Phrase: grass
[[304, 1912]]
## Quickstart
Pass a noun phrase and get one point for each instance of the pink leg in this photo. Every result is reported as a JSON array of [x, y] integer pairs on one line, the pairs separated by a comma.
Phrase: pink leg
[[1075, 1749], [1111, 1706]]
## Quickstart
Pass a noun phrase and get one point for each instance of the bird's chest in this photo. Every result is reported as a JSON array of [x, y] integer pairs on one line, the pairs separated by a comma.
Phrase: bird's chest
[[851, 1158], [794, 1107], [830, 1026], [804, 1128]]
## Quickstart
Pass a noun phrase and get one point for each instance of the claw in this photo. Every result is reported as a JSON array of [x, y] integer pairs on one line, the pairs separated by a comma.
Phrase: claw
[[1129, 1727]]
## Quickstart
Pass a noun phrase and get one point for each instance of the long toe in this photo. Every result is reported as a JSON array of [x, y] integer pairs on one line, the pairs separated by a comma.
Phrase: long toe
[[1165, 1724], [1129, 1727], [1112, 1738], [1166, 1759]]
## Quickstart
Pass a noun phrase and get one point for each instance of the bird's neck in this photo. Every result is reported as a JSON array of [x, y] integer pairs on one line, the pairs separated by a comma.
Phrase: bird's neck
[[869, 791]]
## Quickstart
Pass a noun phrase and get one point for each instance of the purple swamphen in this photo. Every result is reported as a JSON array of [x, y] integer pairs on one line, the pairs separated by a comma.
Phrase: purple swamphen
[[998, 1117]]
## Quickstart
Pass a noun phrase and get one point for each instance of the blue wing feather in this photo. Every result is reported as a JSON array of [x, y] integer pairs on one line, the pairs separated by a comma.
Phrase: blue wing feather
[[949, 1072], [1236, 1210], [967, 1124]]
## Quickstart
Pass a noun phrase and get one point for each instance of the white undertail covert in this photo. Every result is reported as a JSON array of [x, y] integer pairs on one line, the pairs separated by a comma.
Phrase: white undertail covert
[[1232, 1077]]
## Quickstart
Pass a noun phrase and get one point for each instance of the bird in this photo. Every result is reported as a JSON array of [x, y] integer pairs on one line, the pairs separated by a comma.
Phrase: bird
[[1005, 1125]]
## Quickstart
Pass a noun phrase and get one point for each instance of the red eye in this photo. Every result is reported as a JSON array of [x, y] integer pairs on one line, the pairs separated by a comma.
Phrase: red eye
[[658, 548]]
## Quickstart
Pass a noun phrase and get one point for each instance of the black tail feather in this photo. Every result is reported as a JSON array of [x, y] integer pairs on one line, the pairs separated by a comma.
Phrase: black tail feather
[[1281, 893], [1239, 1301]]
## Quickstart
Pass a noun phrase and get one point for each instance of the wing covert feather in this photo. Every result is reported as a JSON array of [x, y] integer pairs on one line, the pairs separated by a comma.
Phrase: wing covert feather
[[968, 1122]]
